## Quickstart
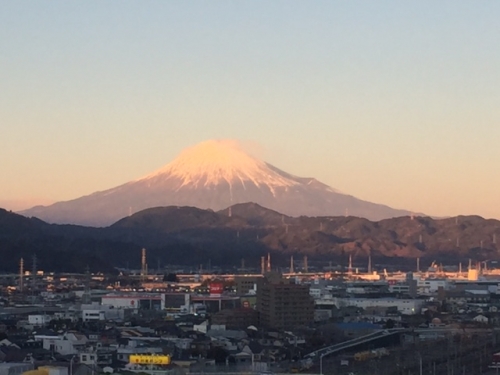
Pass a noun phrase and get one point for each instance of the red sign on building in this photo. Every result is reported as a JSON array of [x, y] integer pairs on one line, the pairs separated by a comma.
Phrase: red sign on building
[[216, 289]]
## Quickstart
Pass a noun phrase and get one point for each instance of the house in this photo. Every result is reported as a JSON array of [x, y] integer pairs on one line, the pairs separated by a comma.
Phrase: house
[[39, 320], [480, 319], [69, 343]]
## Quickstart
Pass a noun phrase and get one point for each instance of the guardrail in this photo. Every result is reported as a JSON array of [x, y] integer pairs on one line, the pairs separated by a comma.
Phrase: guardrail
[[354, 342]]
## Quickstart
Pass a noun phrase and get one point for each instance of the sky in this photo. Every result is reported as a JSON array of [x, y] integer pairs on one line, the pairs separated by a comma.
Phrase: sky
[[392, 102]]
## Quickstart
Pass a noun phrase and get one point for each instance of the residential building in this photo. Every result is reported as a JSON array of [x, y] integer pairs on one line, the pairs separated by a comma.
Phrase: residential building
[[283, 304]]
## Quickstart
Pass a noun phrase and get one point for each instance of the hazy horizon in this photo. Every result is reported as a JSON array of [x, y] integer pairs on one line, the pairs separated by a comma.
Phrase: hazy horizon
[[394, 103]]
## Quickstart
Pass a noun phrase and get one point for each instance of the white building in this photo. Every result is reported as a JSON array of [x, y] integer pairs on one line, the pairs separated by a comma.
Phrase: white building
[[96, 312], [69, 343], [133, 301], [480, 319], [430, 286], [316, 291], [404, 306], [39, 320]]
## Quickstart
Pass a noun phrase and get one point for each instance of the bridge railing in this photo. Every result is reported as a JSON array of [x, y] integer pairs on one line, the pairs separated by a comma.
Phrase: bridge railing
[[350, 343]]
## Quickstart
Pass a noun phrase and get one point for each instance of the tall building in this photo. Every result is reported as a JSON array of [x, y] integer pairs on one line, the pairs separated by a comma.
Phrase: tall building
[[282, 304], [245, 284]]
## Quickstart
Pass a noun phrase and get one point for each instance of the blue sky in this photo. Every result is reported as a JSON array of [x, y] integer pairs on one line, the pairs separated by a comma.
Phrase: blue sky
[[393, 102]]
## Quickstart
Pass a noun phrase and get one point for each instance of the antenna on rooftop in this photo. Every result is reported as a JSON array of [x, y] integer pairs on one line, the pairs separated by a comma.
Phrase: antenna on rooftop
[[268, 262], [418, 264], [349, 269], [263, 265], [291, 264], [370, 263]]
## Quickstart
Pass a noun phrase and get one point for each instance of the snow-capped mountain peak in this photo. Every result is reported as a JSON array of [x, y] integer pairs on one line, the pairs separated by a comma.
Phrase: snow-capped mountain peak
[[212, 162], [214, 175]]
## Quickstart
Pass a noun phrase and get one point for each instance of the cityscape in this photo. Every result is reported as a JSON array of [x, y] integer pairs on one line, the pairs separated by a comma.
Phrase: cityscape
[[296, 319]]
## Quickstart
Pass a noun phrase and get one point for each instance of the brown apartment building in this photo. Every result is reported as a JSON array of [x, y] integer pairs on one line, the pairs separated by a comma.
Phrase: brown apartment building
[[283, 305]]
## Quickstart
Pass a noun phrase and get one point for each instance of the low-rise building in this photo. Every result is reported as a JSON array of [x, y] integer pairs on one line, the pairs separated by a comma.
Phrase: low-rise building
[[69, 343], [404, 305], [239, 318], [39, 320], [96, 312]]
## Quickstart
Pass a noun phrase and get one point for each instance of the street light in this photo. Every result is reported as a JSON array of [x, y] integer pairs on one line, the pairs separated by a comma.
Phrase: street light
[[321, 363], [420, 362], [71, 365]]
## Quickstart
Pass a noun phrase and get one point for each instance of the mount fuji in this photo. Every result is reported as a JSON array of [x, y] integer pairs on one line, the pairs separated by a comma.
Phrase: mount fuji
[[214, 174]]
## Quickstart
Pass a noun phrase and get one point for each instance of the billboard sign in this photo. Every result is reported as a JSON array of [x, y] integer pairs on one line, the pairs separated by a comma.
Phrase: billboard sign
[[145, 359], [216, 289]]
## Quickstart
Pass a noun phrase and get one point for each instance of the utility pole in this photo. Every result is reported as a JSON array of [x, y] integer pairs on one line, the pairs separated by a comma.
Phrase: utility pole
[[21, 275], [34, 272], [144, 266]]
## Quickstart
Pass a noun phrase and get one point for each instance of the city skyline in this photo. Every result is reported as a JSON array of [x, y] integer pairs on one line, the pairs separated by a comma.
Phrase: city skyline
[[392, 103]]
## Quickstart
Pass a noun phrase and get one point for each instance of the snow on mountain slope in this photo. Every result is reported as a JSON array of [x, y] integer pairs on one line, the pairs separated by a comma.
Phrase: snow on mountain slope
[[211, 162], [214, 174]]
